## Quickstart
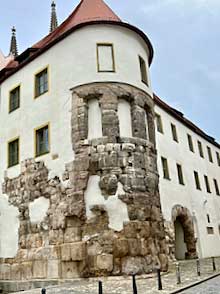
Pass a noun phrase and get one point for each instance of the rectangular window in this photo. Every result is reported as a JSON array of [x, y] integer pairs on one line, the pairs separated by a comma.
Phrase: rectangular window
[[180, 174], [13, 152], [207, 184], [42, 141], [165, 167], [209, 154], [190, 142], [201, 153], [174, 132], [210, 230], [208, 218], [105, 58], [218, 158], [197, 181], [216, 187], [143, 69], [159, 123], [41, 82], [14, 99]]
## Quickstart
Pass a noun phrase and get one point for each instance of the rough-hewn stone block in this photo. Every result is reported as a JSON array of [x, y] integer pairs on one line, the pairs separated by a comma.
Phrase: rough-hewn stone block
[[39, 269], [105, 262]]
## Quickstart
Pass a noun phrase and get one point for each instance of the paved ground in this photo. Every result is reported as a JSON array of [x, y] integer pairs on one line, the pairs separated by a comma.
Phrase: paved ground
[[209, 287], [145, 284]]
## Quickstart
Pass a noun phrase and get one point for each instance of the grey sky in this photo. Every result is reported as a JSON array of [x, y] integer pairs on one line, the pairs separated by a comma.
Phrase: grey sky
[[185, 35]]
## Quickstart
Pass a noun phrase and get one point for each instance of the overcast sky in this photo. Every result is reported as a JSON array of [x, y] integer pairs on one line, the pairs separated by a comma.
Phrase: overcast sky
[[185, 35]]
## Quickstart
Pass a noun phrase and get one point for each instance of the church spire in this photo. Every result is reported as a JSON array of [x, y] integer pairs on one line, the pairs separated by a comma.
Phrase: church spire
[[53, 20], [13, 45]]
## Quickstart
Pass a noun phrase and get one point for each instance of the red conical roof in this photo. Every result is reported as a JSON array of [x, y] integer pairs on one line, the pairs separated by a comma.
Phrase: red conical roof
[[86, 11], [89, 10]]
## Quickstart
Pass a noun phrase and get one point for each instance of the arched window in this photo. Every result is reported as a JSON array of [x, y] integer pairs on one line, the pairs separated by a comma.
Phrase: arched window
[[94, 119], [124, 116]]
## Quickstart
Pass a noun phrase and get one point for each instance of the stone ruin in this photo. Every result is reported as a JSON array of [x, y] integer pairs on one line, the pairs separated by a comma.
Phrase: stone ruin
[[104, 216]]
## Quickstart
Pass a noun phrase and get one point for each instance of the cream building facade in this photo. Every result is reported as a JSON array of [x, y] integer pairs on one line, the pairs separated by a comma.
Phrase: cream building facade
[[79, 167]]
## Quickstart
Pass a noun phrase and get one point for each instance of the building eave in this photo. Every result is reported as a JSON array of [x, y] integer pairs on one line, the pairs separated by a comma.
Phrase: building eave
[[40, 51], [180, 117]]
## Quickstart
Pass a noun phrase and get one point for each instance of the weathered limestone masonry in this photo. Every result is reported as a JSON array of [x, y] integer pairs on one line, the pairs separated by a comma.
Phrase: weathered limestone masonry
[[80, 236]]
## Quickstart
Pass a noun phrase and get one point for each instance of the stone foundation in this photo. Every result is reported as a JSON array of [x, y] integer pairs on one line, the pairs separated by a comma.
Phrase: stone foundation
[[113, 226]]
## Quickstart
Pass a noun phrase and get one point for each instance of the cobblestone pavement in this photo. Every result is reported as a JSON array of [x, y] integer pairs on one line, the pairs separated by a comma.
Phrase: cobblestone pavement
[[209, 287], [145, 284]]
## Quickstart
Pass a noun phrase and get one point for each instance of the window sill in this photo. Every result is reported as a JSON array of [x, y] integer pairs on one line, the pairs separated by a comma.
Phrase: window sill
[[37, 96], [42, 154], [10, 111], [13, 165], [168, 179]]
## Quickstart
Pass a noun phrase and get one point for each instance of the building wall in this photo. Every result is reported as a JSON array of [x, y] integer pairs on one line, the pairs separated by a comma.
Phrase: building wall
[[71, 62], [199, 203]]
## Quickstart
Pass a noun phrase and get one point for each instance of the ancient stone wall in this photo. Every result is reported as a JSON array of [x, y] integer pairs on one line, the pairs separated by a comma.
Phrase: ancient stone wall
[[104, 215]]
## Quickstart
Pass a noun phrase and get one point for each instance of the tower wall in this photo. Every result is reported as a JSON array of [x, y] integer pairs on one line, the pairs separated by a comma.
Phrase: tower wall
[[107, 219]]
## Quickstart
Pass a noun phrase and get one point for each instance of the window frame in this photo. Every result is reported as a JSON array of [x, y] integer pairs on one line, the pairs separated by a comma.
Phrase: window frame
[[217, 191], [197, 180], [218, 158], [200, 148], [210, 230], [190, 143], [208, 218], [209, 151], [159, 119], [112, 53], [143, 70], [36, 95], [165, 168], [180, 174], [207, 184], [9, 98], [8, 151], [35, 139], [174, 132]]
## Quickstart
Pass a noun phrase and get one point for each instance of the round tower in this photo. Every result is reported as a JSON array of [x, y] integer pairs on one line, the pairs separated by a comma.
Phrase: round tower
[[102, 216], [115, 171]]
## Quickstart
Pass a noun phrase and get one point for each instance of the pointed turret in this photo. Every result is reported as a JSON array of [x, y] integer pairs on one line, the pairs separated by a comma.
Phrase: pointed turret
[[53, 20], [13, 46]]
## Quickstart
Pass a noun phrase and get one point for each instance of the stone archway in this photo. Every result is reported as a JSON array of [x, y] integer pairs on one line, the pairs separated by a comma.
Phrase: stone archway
[[184, 229]]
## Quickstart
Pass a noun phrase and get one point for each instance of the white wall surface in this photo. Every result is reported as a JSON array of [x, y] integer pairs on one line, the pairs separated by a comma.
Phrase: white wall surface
[[200, 203], [117, 210], [124, 116], [9, 225], [38, 209], [94, 119]]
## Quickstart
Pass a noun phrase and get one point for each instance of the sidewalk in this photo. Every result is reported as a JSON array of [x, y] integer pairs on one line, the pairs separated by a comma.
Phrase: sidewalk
[[145, 284]]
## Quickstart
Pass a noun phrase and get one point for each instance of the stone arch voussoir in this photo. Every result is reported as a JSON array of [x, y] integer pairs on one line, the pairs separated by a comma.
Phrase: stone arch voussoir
[[185, 217]]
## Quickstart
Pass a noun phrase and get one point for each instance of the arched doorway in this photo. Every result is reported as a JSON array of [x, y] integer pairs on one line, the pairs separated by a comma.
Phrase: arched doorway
[[185, 242], [180, 245]]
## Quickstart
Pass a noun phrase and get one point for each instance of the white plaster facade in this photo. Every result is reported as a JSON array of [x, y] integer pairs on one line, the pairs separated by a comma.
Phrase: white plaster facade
[[199, 203], [71, 62], [116, 210]]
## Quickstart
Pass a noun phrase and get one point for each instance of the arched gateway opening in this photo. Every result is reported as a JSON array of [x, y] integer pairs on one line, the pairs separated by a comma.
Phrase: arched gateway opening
[[185, 242]]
